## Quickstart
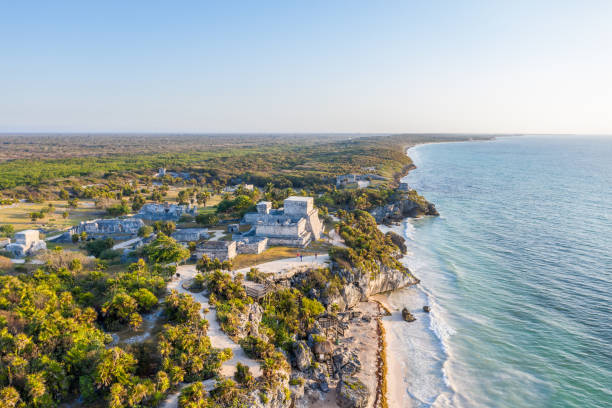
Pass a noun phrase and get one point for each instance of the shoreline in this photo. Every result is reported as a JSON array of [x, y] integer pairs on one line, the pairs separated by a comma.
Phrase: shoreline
[[414, 352]]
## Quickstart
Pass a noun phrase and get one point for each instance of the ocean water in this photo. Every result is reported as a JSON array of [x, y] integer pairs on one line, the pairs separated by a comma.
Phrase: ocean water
[[518, 271]]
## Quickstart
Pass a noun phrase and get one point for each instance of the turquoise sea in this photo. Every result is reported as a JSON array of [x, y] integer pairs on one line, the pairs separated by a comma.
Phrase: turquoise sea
[[518, 270]]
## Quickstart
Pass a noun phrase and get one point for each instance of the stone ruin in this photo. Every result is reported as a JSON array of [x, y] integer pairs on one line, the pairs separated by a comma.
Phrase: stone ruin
[[222, 250], [190, 234], [165, 212], [26, 243], [116, 228], [296, 224], [251, 245]]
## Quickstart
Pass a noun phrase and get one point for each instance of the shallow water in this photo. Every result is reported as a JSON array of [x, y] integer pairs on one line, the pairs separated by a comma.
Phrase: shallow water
[[518, 270]]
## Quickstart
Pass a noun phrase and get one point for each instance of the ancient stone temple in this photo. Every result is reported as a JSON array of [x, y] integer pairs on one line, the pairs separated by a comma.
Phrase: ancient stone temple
[[222, 250], [190, 234], [165, 212], [116, 228], [296, 224], [25, 243]]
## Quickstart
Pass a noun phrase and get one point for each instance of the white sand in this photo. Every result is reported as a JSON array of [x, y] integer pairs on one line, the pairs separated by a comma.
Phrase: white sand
[[414, 356]]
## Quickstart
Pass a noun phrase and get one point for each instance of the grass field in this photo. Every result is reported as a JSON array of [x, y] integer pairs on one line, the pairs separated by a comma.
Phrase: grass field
[[18, 215]]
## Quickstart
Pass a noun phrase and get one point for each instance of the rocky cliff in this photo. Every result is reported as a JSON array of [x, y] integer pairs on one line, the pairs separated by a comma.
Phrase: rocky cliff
[[362, 284], [404, 205]]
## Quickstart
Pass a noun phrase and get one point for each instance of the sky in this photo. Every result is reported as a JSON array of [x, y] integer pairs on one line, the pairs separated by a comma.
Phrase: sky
[[488, 66]]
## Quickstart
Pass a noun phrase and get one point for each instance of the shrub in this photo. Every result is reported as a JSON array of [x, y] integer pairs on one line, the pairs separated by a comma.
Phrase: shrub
[[96, 247]]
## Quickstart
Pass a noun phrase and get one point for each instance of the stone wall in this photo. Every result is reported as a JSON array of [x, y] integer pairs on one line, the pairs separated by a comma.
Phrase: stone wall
[[252, 246], [300, 206], [281, 230]]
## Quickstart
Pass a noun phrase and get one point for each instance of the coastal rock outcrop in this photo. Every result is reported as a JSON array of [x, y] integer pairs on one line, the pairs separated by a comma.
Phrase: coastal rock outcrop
[[361, 284], [302, 355], [405, 205], [352, 393], [275, 396], [248, 322], [407, 316]]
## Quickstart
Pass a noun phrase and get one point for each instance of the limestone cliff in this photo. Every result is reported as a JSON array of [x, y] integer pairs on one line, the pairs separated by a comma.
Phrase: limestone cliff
[[362, 284], [404, 205]]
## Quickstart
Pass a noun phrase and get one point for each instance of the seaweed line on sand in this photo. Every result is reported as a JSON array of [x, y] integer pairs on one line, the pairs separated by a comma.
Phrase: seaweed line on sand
[[381, 368]]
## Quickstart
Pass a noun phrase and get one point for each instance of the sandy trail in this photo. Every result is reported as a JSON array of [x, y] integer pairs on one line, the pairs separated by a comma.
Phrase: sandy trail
[[289, 265], [218, 338]]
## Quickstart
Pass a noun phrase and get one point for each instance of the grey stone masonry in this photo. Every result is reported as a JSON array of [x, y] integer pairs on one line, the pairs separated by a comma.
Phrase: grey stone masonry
[[112, 228], [296, 224], [222, 250], [165, 212], [25, 243]]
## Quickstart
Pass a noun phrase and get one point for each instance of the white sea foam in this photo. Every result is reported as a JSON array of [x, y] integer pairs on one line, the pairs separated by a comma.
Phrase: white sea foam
[[417, 350]]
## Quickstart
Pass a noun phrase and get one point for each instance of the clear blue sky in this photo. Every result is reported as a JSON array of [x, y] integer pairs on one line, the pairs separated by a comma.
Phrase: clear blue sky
[[306, 66]]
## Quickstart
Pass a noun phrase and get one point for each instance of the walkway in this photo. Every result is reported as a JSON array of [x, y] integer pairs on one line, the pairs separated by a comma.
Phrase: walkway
[[287, 267], [218, 338]]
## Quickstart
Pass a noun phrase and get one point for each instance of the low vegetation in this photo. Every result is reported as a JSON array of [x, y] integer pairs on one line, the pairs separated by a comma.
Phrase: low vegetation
[[367, 248]]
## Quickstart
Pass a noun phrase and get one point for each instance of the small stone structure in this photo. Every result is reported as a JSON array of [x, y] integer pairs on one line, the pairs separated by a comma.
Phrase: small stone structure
[[190, 234], [231, 189], [4, 242], [252, 245], [296, 224], [165, 212], [346, 179], [354, 178], [26, 242], [222, 250], [116, 228]]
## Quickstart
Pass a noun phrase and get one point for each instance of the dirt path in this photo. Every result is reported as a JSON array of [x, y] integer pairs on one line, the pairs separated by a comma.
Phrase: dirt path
[[218, 338], [289, 265]]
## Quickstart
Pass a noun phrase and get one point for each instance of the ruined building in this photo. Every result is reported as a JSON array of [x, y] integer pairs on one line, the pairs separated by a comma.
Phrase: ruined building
[[165, 212], [296, 224], [25, 243]]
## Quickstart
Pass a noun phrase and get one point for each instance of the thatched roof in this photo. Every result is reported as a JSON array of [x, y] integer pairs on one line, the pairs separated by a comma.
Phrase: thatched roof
[[324, 347]]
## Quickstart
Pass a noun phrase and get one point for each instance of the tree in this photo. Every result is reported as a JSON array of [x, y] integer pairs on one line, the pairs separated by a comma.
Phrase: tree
[[146, 300], [243, 375], [145, 231], [63, 194], [119, 309], [167, 227], [207, 220], [193, 396], [118, 209], [137, 202], [165, 250], [73, 203], [156, 196], [6, 230], [98, 246], [183, 196], [75, 265], [65, 214], [116, 366], [75, 238], [202, 197], [10, 397]]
